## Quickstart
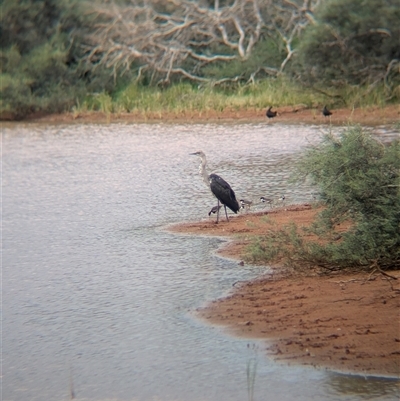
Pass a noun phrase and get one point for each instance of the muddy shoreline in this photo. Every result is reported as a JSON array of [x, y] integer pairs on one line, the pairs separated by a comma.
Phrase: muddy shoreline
[[300, 114], [340, 322]]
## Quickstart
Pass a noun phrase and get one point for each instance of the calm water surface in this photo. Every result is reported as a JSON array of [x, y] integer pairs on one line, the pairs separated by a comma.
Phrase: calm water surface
[[96, 293]]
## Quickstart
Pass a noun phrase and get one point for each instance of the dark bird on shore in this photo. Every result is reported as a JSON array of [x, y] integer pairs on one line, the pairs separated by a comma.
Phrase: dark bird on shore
[[219, 187], [326, 112], [266, 200], [214, 210], [270, 113], [245, 203]]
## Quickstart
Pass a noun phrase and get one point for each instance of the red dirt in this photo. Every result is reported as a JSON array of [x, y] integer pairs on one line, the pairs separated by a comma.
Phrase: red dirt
[[289, 114], [346, 322]]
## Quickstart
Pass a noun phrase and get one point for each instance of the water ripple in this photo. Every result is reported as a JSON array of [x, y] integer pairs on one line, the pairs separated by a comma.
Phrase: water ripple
[[96, 289]]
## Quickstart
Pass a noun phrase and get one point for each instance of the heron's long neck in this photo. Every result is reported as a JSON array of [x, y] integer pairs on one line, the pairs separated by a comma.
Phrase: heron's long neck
[[203, 171]]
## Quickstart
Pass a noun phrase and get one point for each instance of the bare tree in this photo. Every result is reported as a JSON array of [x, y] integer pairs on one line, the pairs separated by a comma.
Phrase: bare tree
[[180, 37]]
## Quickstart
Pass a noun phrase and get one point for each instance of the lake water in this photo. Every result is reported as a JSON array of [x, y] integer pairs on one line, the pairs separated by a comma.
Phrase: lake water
[[97, 296]]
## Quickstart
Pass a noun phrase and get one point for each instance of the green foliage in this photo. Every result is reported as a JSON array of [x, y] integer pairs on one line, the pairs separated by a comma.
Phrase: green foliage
[[353, 42], [187, 97], [285, 244], [43, 43], [359, 181], [41, 81], [34, 57], [267, 52], [39, 59], [178, 97]]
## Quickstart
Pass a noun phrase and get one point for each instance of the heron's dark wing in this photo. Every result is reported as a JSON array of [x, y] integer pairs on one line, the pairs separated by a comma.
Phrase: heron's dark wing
[[223, 191]]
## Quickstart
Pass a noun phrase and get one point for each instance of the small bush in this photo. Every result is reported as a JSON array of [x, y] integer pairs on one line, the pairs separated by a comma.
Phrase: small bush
[[359, 182]]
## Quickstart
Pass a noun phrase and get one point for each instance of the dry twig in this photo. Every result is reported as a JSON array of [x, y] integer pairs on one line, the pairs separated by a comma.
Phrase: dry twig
[[181, 36]]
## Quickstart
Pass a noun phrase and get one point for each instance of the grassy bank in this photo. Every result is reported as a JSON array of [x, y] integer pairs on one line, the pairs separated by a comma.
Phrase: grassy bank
[[183, 97]]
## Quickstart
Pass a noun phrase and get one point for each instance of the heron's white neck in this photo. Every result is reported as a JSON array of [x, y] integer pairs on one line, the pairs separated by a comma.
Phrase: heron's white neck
[[203, 170]]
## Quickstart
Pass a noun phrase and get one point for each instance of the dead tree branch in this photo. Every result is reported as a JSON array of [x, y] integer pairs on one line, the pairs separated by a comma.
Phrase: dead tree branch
[[180, 37]]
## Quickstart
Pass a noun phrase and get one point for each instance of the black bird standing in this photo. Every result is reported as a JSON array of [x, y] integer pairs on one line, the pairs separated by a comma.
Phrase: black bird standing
[[270, 113], [219, 187], [326, 112]]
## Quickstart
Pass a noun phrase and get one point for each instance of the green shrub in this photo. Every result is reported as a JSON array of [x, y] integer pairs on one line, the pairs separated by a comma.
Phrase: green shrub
[[359, 182], [266, 53], [353, 42], [41, 45]]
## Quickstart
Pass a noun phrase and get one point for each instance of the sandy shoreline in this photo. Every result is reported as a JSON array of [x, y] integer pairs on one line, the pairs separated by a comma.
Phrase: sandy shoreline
[[342, 322]]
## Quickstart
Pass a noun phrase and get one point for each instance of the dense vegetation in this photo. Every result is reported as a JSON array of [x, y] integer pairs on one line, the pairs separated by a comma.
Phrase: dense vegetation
[[40, 57], [37, 71], [359, 183], [355, 42], [62, 54]]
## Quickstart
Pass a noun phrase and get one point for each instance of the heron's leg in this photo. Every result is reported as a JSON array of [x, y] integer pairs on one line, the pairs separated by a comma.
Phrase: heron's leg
[[226, 214], [217, 212]]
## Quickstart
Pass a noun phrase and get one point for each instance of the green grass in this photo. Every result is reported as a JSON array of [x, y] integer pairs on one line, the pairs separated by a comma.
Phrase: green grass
[[184, 97]]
